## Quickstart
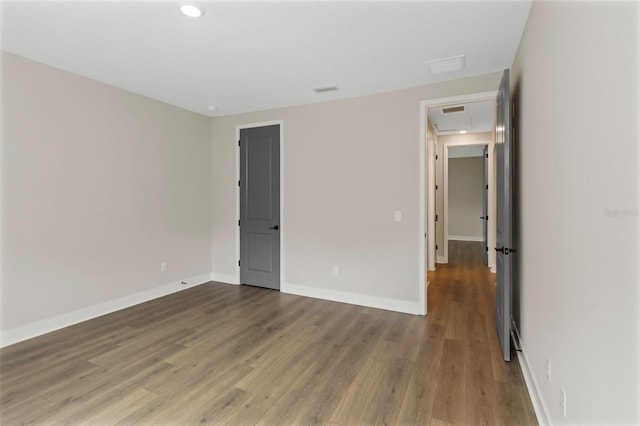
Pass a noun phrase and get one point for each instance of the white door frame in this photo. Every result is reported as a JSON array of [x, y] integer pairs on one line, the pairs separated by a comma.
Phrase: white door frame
[[422, 241], [282, 227], [431, 200], [491, 197]]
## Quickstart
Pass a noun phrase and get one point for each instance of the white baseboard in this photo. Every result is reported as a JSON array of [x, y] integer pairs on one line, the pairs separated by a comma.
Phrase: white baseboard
[[38, 328], [463, 238], [225, 278], [532, 385], [352, 298], [440, 259]]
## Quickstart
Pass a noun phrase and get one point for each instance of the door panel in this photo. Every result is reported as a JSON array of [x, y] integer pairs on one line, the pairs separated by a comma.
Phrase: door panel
[[259, 253], [259, 185], [260, 206], [504, 211]]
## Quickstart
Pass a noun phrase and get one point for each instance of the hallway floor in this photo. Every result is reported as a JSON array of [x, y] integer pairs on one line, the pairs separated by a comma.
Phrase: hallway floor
[[487, 389]]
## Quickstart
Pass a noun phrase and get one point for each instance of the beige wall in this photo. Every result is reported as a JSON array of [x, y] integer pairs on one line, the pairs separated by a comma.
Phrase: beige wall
[[465, 197], [348, 165], [99, 186], [576, 90]]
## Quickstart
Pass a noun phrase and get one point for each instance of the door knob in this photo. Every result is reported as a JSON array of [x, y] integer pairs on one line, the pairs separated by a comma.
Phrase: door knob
[[274, 227], [505, 250]]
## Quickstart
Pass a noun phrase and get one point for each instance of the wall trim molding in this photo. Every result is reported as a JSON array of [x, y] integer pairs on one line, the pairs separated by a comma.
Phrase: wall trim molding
[[464, 238], [539, 407], [441, 259], [38, 328], [225, 278], [405, 306]]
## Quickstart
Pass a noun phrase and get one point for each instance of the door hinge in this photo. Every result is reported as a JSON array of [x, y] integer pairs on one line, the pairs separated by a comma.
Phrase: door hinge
[[238, 263], [436, 218], [436, 157], [238, 143], [436, 187], [238, 183], [487, 186], [425, 235], [486, 249], [486, 156], [238, 223], [436, 247]]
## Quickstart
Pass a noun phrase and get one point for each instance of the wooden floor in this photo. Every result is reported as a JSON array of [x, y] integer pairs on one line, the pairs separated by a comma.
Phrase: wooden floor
[[237, 355]]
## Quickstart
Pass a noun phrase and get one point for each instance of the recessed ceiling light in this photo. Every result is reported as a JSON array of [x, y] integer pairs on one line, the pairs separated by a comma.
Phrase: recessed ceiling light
[[212, 108], [462, 132], [192, 10]]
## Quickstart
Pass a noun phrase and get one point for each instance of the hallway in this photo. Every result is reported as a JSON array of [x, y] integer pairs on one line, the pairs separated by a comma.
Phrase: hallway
[[475, 386]]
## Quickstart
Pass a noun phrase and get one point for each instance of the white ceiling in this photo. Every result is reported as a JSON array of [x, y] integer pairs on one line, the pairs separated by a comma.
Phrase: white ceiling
[[246, 56], [477, 117]]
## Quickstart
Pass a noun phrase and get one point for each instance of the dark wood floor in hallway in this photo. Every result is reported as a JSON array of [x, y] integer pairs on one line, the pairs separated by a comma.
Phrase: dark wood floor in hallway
[[237, 355]]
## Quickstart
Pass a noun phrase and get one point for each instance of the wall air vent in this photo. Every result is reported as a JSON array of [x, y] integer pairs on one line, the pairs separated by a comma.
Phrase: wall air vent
[[453, 109], [325, 89]]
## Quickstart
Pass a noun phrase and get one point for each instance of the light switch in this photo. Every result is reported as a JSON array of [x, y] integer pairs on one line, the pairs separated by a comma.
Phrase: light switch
[[398, 216]]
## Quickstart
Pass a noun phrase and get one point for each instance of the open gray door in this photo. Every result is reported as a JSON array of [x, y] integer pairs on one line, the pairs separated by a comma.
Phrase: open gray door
[[504, 211], [485, 204], [260, 206]]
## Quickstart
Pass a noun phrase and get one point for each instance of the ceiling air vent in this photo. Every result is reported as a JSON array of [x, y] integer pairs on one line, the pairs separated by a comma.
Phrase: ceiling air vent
[[453, 109], [446, 65], [325, 89]]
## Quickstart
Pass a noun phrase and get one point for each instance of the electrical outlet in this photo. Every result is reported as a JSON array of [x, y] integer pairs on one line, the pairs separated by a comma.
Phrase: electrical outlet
[[548, 369], [163, 267], [336, 271], [563, 402]]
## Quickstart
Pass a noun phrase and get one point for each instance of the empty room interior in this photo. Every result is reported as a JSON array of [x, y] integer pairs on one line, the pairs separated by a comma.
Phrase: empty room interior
[[310, 212]]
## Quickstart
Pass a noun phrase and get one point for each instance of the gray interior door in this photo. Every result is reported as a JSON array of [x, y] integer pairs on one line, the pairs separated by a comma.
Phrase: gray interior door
[[260, 206], [485, 204], [504, 247]]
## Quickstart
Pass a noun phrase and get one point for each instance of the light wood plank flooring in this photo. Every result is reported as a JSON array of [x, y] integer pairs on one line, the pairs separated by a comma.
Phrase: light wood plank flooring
[[237, 355]]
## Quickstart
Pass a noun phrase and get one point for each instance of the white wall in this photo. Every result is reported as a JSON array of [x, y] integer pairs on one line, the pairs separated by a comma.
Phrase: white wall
[[348, 165], [575, 83], [465, 198], [99, 186], [465, 151]]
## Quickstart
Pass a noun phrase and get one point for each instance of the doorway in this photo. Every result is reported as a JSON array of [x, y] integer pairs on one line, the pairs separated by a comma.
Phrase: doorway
[[468, 198], [260, 205], [430, 214]]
